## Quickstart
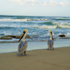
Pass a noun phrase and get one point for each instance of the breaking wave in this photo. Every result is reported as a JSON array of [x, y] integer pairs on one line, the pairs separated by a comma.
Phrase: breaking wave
[[45, 27], [41, 26], [16, 20], [64, 25], [31, 26]]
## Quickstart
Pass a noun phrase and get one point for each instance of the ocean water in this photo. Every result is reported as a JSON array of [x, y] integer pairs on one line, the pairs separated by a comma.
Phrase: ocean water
[[37, 26]]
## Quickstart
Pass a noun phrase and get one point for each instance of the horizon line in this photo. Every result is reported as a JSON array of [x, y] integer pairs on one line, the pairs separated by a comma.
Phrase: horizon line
[[34, 15]]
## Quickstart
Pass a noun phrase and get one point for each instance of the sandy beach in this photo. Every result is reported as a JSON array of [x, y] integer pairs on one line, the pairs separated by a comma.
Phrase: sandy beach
[[58, 59]]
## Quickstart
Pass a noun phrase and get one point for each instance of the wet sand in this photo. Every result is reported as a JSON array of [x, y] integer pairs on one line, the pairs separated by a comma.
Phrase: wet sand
[[58, 59]]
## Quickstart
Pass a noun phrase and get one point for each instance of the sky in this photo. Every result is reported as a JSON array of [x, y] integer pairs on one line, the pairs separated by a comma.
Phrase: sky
[[35, 7]]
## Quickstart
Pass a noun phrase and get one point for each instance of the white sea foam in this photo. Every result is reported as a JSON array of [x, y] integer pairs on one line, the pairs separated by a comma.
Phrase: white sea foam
[[67, 34], [16, 20], [65, 23], [63, 18], [64, 26], [42, 26], [30, 26], [45, 27]]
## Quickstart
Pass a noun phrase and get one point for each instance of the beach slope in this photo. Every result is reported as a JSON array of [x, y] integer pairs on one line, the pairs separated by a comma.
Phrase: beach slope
[[58, 59]]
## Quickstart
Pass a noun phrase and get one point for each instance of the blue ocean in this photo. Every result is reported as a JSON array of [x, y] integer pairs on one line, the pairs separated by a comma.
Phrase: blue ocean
[[37, 26]]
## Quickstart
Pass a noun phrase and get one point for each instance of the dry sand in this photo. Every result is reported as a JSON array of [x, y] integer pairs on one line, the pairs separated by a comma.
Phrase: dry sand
[[58, 59]]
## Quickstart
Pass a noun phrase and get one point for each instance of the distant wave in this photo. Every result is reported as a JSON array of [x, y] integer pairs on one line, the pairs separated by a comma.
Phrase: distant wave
[[42, 26], [47, 23], [6, 19], [64, 26], [45, 27], [30, 26], [62, 18]]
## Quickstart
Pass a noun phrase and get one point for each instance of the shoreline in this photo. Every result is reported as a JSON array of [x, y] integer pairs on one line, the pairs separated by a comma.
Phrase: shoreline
[[58, 59], [37, 50], [36, 45]]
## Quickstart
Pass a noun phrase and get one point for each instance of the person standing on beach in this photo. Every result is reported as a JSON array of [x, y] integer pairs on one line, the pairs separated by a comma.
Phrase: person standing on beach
[[50, 42], [23, 44]]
